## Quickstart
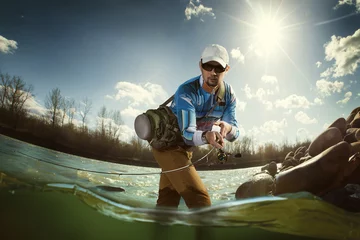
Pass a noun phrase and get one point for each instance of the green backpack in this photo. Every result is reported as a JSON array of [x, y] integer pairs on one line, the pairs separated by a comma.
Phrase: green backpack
[[160, 126]]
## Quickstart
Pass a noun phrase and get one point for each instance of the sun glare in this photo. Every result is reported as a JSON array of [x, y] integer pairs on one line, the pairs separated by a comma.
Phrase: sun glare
[[268, 34]]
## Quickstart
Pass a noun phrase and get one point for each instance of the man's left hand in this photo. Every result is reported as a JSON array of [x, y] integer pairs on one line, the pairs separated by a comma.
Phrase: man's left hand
[[225, 128]]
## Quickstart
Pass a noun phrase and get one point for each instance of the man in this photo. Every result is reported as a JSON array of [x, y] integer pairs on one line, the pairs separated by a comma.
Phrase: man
[[199, 104]]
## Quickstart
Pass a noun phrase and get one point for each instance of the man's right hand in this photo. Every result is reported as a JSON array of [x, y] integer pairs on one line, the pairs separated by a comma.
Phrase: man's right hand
[[215, 139]]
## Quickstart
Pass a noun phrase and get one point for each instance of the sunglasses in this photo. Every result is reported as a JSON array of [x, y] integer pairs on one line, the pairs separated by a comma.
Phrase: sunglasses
[[209, 67]]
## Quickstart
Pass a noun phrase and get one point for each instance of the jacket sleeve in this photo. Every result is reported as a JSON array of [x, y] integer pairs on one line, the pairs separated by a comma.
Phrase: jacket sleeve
[[230, 117], [184, 99]]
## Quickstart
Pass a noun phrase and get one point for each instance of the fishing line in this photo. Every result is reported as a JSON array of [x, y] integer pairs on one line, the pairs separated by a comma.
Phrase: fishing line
[[117, 173]]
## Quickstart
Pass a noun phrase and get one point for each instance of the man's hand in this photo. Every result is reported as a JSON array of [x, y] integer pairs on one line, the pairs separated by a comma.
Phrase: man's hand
[[215, 139], [225, 128]]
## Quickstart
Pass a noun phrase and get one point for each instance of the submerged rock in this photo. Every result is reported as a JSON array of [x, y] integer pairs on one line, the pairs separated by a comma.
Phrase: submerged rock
[[260, 184]]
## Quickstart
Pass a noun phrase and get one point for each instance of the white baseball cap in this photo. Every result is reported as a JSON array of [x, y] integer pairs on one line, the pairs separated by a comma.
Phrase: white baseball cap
[[217, 53]]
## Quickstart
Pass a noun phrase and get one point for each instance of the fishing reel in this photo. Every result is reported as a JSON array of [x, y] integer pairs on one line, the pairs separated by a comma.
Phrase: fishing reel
[[223, 156]]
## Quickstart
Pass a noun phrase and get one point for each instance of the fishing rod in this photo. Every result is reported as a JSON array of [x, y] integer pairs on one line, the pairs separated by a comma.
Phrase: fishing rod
[[222, 157]]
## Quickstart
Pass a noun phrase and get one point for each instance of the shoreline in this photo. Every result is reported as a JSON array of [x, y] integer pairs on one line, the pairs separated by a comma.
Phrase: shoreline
[[28, 137]]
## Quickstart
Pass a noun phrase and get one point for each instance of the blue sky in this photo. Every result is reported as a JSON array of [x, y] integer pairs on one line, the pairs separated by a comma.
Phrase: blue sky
[[294, 64]]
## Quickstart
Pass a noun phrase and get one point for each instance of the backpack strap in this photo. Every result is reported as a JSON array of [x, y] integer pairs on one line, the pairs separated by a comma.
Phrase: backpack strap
[[167, 101], [219, 96]]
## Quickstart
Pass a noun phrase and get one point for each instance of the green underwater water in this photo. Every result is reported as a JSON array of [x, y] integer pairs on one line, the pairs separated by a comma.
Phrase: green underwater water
[[42, 201], [55, 215]]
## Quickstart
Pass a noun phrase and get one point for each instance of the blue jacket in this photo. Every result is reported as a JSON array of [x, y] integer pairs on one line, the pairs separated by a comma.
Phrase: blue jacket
[[191, 103]]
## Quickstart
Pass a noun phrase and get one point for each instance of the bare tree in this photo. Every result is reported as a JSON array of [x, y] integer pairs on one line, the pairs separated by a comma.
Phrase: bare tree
[[71, 110], [246, 145], [102, 116], [64, 107], [14, 94], [117, 122], [85, 108], [4, 90], [53, 104]]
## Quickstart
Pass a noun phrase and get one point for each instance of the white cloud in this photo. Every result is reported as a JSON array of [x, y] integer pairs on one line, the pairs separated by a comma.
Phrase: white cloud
[[126, 133], [274, 127], [247, 91], [236, 54], [318, 101], [325, 88], [318, 64], [34, 107], [327, 72], [240, 106], [326, 125], [198, 10], [260, 93], [254, 131], [302, 134], [130, 112], [7, 46], [269, 79], [356, 3], [257, 51], [353, 82], [304, 118], [147, 95], [288, 112], [293, 101], [347, 97], [268, 104], [346, 53]]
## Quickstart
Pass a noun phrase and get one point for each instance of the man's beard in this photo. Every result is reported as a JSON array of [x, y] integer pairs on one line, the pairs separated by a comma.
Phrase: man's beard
[[212, 82]]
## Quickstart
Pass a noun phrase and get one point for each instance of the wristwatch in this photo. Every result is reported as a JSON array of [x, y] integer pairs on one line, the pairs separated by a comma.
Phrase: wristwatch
[[203, 138]]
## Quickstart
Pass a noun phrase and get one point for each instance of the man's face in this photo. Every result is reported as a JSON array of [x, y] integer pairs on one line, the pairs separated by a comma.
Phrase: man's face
[[213, 73]]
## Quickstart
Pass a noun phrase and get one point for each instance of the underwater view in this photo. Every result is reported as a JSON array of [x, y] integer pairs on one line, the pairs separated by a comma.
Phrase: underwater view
[[51, 195]]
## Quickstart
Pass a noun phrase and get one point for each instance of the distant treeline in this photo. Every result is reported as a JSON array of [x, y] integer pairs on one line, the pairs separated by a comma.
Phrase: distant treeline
[[63, 127]]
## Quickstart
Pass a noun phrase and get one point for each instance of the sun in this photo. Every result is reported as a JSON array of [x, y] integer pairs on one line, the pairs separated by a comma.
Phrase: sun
[[268, 34]]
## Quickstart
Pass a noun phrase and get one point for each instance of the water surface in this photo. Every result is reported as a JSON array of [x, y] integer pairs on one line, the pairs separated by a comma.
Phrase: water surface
[[41, 198]]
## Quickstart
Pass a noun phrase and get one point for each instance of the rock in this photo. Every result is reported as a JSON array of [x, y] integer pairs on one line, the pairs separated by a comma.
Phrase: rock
[[345, 198], [350, 118], [299, 155], [352, 173], [326, 139], [352, 135], [340, 124], [355, 147], [304, 159], [316, 174], [271, 168], [259, 185], [299, 149], [355, 123], [288, 163], [110, 188], [289, 155]]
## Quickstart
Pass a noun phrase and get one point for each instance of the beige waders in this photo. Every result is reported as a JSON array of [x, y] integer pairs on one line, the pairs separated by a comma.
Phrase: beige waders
[[185, 183]]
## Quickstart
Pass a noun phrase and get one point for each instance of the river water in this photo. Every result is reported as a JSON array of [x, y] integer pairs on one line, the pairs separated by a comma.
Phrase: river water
[[45, 194]]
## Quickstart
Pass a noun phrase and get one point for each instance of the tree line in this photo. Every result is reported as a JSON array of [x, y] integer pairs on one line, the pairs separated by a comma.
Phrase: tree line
[[63, 126]]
